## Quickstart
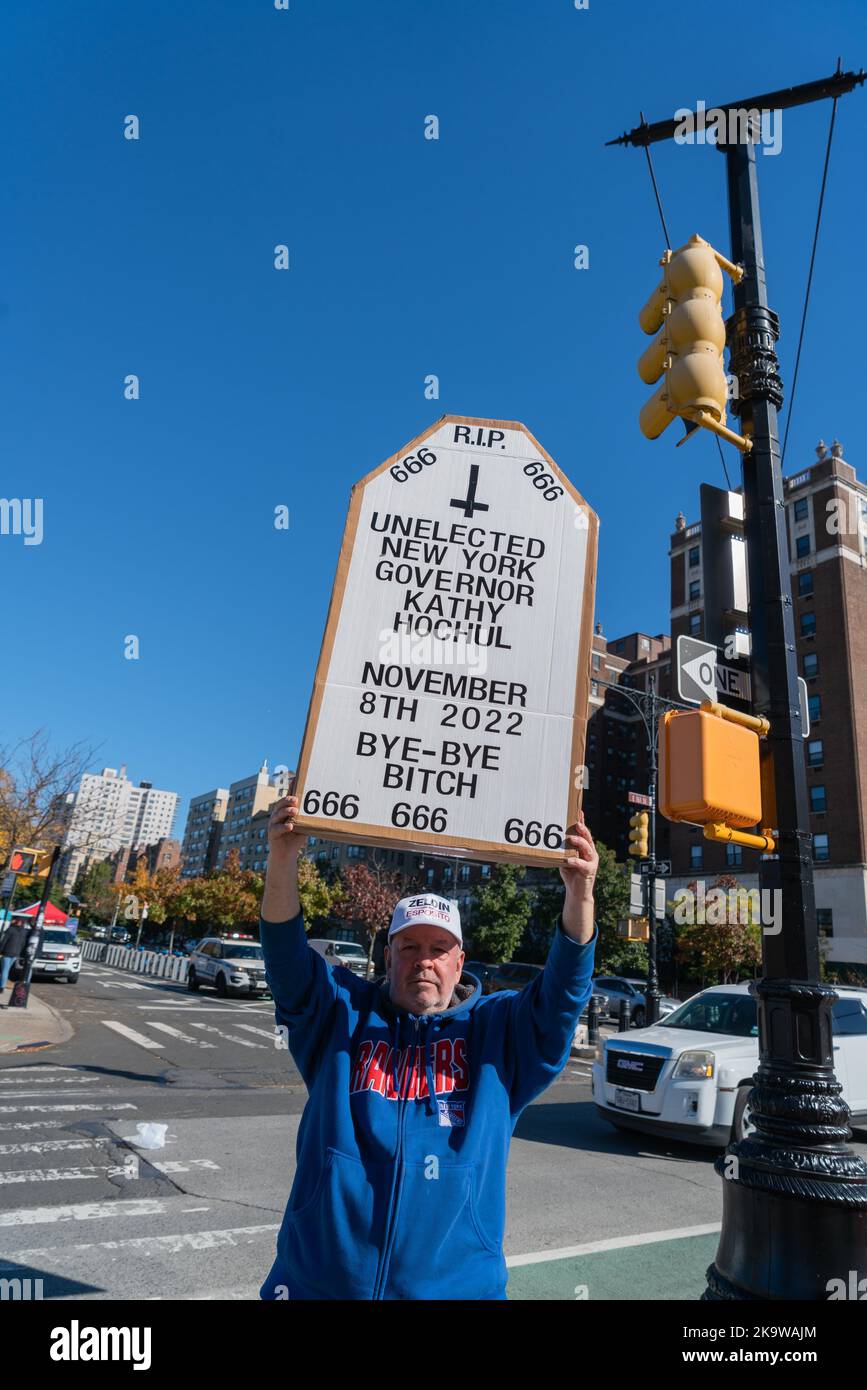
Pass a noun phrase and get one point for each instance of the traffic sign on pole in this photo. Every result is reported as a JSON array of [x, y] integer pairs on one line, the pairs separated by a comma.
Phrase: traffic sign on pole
[[696, 670]]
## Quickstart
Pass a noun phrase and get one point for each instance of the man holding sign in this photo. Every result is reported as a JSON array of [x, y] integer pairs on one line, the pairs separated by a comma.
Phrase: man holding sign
[[415, 1087]]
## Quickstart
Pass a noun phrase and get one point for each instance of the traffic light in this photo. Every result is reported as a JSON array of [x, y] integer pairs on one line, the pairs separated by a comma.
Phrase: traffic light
[[639, 842], [685, 312], [22, 861], [709, 772]]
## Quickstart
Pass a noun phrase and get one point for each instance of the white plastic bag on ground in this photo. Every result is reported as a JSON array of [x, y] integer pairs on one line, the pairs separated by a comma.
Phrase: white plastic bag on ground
[[150, 1136]]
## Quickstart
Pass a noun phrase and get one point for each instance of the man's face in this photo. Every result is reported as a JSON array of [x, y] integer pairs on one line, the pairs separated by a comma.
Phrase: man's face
[[424, 964]]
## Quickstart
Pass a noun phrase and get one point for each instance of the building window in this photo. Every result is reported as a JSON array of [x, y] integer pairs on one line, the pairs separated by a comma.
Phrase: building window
[[693, 557], [430, 877], [825, 920], [808, 625], [596, 661], [818, 800], [645, 644], [486, 871], [694, 589], [805, 583], [695, 856], [694, 624], [802, 546], [802, 509], [464, 873], [594, 688], [814, 708], [820, 847], [734, 855], [815, 753], [811, 666]]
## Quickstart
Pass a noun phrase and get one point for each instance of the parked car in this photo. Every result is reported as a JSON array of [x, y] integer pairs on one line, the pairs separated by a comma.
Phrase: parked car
[[59, 955], [689, 1075], [346, 953], [99, 933], [514, 974], [231, 965], [483, 971], [120, 936], [632, 989]]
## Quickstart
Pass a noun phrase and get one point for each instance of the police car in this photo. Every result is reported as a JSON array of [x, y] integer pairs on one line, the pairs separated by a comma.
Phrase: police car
[[689, 1076], [59, 956], [232, 964]]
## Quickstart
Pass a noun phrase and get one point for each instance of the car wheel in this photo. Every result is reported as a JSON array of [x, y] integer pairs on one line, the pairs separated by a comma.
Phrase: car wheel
[[73, 979], [742, 1126], [192, 981], [222, 987], [638, 1018]]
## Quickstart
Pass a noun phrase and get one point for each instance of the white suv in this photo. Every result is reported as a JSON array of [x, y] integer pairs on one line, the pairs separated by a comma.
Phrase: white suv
[[689, 1075], [59, 955], [233, 965]]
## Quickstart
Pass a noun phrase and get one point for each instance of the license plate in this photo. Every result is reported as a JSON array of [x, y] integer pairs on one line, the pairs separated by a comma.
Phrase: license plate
[[627, 1100]]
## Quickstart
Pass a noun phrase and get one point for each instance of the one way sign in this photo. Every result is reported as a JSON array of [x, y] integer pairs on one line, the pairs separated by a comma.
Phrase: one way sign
[[696, 670]]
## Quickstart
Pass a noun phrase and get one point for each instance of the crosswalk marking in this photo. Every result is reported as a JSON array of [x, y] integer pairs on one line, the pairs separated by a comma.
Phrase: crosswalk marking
[[83, 1171], [82, 1211], [184, 1037], [130, 1033], [43, 1081], [208, 1027], [147, 1245], [48, 1146], [263, 1032], [120, 984], [54, 1109]]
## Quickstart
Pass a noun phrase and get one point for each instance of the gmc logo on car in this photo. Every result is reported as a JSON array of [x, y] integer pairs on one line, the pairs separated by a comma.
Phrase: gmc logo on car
[[627, 1065]]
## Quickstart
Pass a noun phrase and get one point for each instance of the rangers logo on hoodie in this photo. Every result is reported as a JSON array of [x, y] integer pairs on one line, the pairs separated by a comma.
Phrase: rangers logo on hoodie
[[374, 1069]]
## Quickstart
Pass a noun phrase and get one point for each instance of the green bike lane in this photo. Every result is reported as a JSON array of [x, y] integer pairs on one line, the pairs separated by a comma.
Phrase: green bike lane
[[658, 1265]]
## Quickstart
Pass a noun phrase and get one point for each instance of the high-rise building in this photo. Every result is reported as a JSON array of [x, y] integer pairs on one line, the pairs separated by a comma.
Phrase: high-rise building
[[202, 834], [108, 813], [826, 513], [244, 828]]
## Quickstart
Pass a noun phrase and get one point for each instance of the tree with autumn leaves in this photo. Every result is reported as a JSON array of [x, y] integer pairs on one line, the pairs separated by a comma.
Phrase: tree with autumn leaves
[[721, 951]]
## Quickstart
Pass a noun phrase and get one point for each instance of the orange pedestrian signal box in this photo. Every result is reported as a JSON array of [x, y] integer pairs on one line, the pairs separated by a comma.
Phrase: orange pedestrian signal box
[[708, 770]]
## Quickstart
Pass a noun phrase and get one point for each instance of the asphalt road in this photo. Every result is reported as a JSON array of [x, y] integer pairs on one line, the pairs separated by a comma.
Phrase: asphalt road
[[592, 1212]]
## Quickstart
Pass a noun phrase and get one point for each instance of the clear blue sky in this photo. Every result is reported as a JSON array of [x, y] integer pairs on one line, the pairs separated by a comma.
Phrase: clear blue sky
[[408, 257]]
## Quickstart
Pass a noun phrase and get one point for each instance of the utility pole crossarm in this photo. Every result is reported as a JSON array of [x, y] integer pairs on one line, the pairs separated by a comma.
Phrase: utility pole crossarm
[[837, 85]]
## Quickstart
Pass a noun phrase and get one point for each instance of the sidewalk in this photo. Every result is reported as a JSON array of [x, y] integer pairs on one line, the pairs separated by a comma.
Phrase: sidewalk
[[35, 1027]]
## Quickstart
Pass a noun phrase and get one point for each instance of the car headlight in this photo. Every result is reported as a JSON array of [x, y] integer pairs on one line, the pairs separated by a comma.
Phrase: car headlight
[[698, 1066]]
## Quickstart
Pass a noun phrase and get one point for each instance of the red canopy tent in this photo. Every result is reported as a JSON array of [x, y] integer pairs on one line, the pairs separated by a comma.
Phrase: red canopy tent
[[53, 915]]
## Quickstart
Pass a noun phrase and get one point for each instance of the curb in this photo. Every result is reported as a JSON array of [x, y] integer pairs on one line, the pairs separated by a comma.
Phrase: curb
[[35, 1028]]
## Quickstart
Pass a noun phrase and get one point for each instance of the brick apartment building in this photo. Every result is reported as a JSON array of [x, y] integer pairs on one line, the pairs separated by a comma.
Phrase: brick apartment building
[[826, 509]]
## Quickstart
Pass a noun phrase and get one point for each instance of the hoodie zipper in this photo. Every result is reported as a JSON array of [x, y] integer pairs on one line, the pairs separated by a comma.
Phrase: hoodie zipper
[[390, 1225]]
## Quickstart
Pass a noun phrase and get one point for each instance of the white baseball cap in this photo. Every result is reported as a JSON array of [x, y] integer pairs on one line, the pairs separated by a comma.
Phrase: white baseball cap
[[427, 909]]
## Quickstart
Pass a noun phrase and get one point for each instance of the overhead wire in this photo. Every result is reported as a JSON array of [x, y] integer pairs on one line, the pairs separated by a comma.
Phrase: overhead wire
[[810, 275]]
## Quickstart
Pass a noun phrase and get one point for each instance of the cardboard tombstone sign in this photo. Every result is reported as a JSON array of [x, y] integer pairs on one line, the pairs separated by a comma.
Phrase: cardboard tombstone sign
[[449, 707]]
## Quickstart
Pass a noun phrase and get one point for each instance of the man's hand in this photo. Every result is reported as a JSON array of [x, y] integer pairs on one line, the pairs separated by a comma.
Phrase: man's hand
[[283, 839], [579, 874], [280, 902]]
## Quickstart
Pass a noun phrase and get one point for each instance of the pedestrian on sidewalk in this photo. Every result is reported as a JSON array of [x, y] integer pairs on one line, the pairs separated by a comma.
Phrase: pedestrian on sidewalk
[[415, 1085], [12, 943]]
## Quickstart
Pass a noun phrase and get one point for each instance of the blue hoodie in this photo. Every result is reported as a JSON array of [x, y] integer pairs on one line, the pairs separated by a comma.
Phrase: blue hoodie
[[400, 1182]]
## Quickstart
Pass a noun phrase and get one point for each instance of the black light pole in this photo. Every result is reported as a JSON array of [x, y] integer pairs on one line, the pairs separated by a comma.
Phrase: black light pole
[[648, 705], [794, 1195], [21, 990]]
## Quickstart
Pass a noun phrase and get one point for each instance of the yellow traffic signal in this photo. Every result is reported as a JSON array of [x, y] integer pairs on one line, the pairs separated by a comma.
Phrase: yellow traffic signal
[[709, 772], [639, 842], [686, 308]]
